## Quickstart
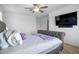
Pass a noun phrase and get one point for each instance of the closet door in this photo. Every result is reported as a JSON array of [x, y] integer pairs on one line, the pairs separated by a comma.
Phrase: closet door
[[43, 23]]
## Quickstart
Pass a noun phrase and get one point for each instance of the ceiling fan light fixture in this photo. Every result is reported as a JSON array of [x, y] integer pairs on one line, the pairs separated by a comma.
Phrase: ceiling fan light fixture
[[36, 9]]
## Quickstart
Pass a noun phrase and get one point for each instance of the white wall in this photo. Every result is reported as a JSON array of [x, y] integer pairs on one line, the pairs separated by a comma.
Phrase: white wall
[[20, 22], [72, 34]]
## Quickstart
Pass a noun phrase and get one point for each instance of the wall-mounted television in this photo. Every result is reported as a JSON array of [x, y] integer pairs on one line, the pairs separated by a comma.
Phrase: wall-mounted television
[[66, 20]]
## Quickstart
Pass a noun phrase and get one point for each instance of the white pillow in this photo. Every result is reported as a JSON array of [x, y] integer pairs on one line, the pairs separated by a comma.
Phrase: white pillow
[[11, 40], [15, 39], [19, 38], [8, 33], [3, 43]]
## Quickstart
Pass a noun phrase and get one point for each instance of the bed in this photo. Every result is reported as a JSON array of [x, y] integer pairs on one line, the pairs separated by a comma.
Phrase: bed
[[33, 45], [37, 45]]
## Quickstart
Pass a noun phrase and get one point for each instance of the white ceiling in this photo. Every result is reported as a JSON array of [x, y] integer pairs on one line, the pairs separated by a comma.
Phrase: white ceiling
[[19, 8]]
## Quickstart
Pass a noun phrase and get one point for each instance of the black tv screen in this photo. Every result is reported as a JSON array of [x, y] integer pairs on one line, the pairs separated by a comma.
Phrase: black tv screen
[[66, 20]]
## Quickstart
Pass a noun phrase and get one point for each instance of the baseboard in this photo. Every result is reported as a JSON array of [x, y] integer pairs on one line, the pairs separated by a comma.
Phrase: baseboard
[[71, 45]]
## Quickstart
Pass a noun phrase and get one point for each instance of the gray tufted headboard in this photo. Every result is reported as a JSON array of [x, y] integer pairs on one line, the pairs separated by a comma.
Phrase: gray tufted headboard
[[57, 34], [2, 26]]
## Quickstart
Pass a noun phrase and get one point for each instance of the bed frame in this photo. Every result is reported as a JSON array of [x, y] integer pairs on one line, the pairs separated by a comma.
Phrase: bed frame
[[57, 34]]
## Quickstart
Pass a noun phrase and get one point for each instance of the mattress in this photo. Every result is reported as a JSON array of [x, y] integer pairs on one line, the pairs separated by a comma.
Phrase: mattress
[[33, 45]]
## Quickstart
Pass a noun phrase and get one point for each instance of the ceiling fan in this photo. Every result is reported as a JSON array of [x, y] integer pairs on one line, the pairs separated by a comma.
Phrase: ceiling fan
[[37, 8]]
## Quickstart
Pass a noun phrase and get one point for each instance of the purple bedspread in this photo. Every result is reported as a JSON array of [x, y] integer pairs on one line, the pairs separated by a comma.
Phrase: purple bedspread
[[44, 37]]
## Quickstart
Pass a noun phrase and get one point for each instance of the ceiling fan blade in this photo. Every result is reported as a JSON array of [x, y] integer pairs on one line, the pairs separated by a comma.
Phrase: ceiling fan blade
[[36, 4], [27, 8], [30, 9], [43, 7], [41, 11]]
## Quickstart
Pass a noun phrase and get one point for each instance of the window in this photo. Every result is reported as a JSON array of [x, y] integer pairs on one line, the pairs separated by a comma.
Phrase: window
[[1, 16], [2, 19]]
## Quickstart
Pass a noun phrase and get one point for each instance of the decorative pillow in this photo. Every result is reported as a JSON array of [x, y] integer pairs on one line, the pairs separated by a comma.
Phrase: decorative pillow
[[11, 40], [15, 39], [23, 35], [3, 43], [18, 38], [8, 33]]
